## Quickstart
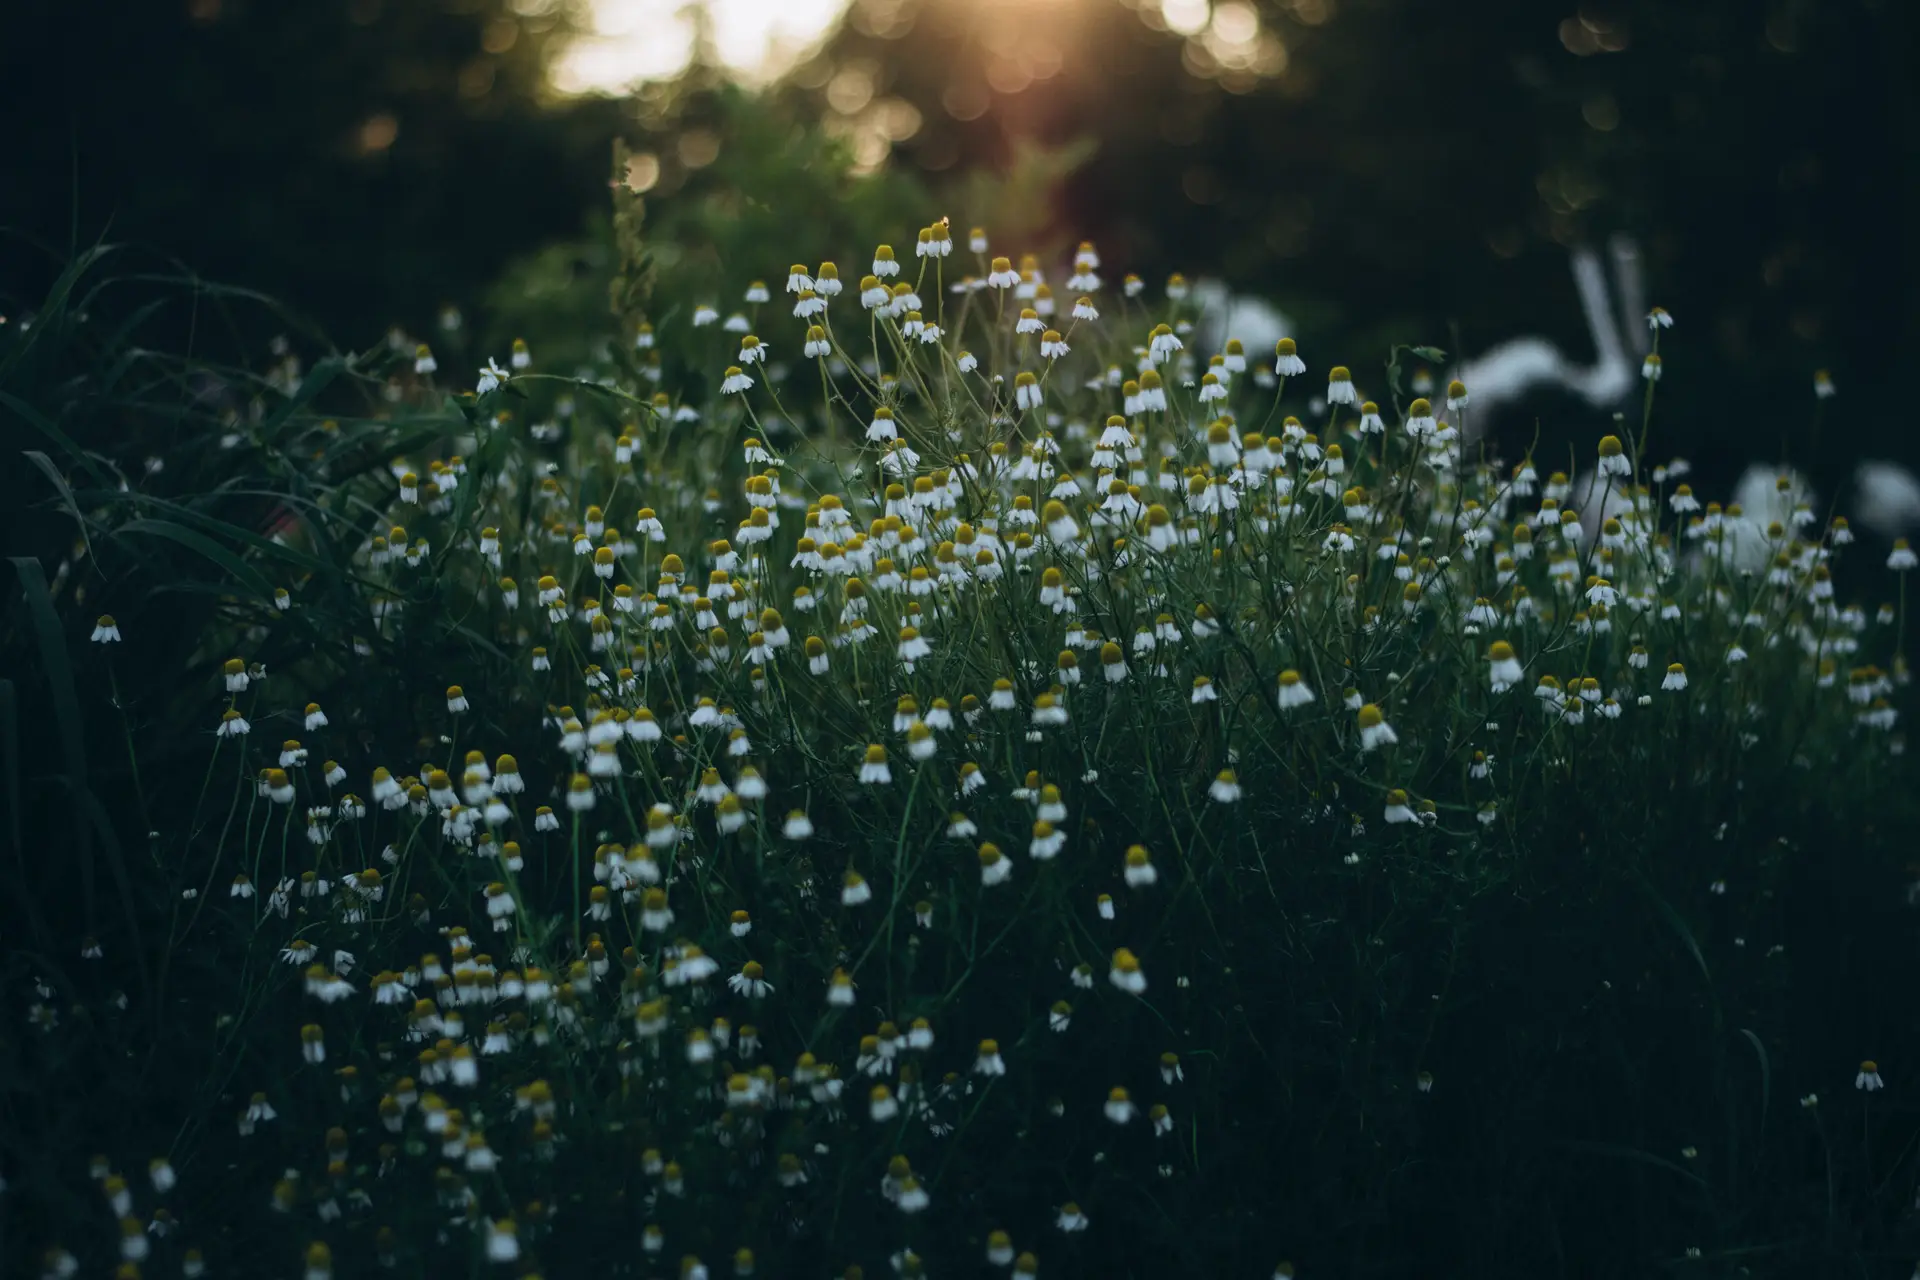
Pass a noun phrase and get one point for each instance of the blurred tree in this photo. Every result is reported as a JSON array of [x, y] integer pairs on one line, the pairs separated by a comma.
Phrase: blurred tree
[[1429, 165], [363, 160]]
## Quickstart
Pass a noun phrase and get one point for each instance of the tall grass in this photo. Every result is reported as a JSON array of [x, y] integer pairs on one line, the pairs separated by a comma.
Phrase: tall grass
[[1185, 817]]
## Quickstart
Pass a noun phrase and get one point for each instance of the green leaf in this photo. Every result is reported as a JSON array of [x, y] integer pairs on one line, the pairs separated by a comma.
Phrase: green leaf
[[46, 427], [58, 672], [228, 530], [1672, 917], [60, 484], [317, 380], [240, 570], [1433, 354]]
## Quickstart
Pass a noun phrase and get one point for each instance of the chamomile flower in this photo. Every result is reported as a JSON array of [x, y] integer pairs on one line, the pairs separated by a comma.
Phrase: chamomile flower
[[1288, 364], [1340, 388], [1375, 732], [1503, 666], [750, 981], [1293, 691], [1138, 870], [995, 866]]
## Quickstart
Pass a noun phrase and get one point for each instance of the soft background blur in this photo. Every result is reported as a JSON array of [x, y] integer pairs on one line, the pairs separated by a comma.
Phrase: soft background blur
[[1382, 170]]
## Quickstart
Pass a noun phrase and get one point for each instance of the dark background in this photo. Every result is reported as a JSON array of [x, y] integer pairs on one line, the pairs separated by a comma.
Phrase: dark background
[[1416, 169], [1413, 170]]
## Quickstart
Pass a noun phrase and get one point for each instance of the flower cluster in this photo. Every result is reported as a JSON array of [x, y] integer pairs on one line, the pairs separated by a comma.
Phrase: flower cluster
[[894, 728]]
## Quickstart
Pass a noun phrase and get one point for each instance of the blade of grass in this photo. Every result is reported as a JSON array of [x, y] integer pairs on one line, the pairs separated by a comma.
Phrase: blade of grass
[[66, 706], [46, 427], [1672, 917], [219, 555], [1634, 1153], [59, 481]]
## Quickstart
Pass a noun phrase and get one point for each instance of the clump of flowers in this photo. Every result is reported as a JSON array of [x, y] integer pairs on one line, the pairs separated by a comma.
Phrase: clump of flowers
[[833, 702]]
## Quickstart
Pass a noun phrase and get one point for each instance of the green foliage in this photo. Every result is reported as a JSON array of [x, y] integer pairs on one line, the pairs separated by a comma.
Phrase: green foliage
[[685, 237], [1472, 932]]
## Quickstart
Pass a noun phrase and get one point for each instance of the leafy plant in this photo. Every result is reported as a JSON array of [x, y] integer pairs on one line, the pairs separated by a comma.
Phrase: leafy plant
[[934, 771]]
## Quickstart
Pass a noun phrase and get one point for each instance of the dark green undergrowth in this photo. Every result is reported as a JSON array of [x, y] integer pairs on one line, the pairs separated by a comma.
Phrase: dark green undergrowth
[[1610, 1026]]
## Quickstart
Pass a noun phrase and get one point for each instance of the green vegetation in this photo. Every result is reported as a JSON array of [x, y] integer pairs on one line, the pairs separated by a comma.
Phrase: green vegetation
[[824, 791]]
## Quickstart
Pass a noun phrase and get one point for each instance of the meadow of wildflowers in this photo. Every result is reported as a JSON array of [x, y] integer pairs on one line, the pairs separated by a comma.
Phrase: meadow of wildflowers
[[913, 768]]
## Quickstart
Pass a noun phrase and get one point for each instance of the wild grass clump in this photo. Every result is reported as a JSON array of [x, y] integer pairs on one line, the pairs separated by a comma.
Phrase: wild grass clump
[[913, 770]]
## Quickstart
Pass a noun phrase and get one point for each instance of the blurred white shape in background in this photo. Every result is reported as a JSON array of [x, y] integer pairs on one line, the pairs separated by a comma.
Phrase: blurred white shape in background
[[1617, 326], [1744, 541], [1256, 323], [1888, 498]]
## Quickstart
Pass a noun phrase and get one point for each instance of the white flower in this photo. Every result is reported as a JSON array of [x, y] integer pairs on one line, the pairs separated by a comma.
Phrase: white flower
[[1374, 729], [1138, 872], [1503, 667], [491, 378], [1340, 388], [995, 866], [1293, 691], [1869, 1078], [106, 630], [750, 982]]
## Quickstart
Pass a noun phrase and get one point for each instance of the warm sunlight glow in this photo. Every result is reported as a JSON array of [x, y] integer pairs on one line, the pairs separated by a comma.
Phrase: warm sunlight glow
[[635, 40]]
